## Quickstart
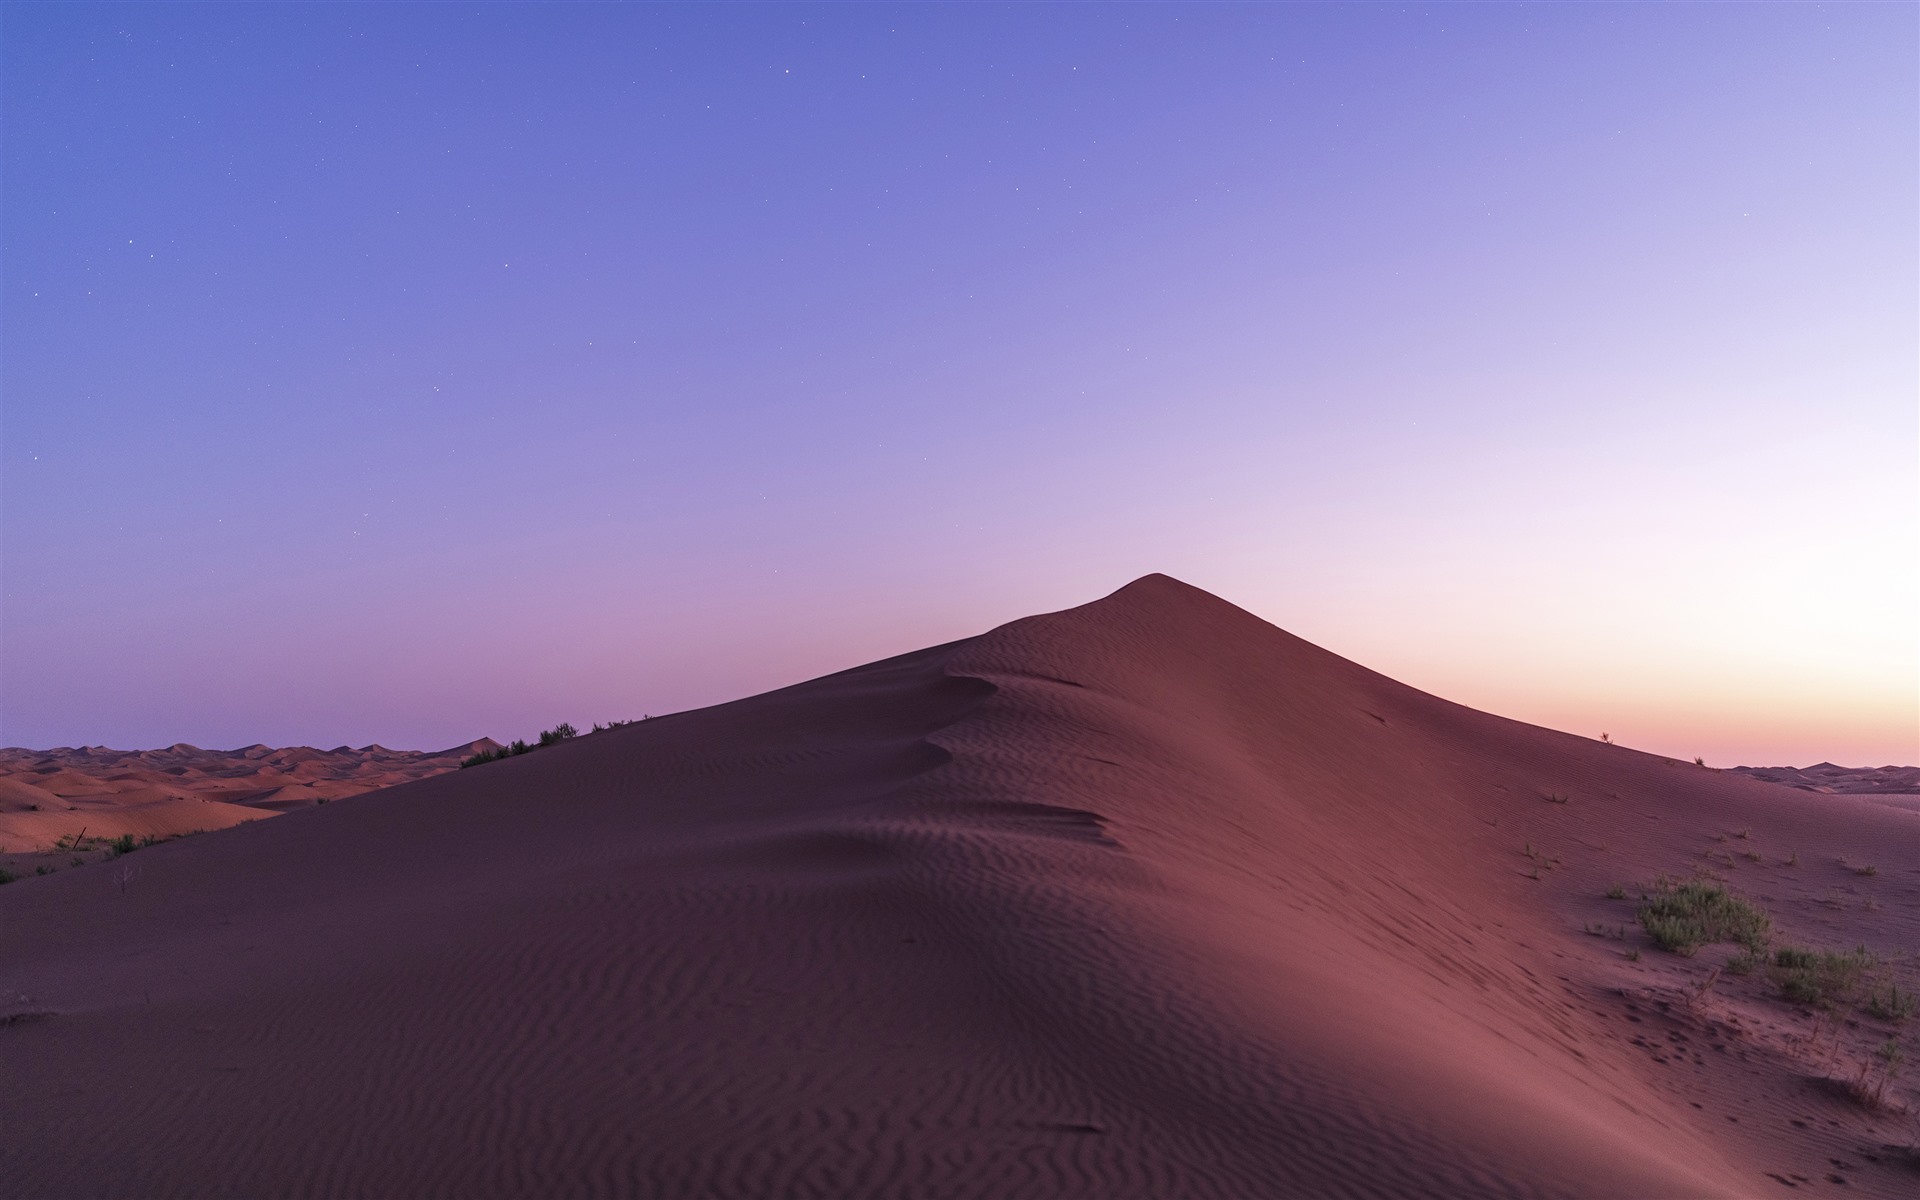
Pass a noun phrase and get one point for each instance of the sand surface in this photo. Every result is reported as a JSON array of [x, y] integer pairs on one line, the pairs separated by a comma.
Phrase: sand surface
[[1837, 780], [93, 794], [1142, 899]]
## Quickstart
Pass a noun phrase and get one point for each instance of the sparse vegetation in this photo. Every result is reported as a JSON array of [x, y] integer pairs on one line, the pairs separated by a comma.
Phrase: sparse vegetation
[[1876, 1074], [1540, 859], [486, 756], [559, 733], [1556, 797], [1681, 918], [125, 844], [1890, 1003], [1868, 869], [1819, 978], [1699, 761], [1744, 962], [1702, 988], [7, 876], [1616, 892]]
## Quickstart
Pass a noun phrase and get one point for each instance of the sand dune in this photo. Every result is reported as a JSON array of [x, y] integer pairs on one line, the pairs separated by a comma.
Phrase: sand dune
[[50, 797], [1142, 899], [1836, 780]]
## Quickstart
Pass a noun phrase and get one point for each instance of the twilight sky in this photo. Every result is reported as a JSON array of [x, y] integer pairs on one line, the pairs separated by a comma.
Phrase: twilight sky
[[409, 373]]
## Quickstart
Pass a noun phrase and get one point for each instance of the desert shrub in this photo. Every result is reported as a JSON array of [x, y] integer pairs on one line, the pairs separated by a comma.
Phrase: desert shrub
[[559, 733], [1819, 977], [1681, 918], [516, 746], [1870, 1086], [1890, 1003], [124, 844], [7, 876]]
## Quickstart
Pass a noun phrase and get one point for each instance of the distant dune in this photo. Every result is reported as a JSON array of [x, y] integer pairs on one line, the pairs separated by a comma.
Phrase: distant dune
[[1147, 898], [49, 797], [1844, 781]]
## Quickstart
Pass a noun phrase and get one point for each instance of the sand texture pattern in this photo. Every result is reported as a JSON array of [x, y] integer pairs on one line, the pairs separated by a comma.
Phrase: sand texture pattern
[[1146, 898]]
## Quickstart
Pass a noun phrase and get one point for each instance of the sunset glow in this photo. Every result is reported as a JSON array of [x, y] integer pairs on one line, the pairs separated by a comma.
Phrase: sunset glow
[[413, 373]]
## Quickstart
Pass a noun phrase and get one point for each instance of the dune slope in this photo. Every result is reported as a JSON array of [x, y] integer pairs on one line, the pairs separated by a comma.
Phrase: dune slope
[[1145, 898]]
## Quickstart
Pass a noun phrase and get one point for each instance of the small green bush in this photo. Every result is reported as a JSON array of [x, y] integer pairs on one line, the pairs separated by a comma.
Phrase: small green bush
[[1681, 918], [1819, 977]]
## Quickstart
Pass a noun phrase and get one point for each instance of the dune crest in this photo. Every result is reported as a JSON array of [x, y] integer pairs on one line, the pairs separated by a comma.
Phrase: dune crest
[[1144, 898]]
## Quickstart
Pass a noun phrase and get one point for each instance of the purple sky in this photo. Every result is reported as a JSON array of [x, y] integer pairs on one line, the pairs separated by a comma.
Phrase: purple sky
[[415, 372]]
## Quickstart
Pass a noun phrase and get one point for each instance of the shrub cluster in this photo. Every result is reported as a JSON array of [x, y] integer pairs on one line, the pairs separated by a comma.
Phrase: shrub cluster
[[1891, 1004], [559, 733], [1681, 918], [1819, 977]]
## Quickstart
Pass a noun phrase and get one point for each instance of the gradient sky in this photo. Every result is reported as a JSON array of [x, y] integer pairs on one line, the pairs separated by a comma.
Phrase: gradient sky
[[408, 373]]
